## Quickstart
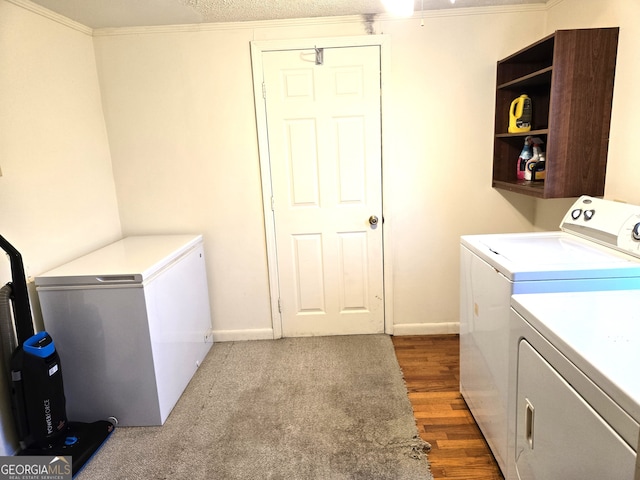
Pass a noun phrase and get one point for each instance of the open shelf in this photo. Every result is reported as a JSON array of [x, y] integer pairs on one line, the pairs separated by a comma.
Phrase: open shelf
[[534, 189], [533, 133], [541, 77], [569, 78]]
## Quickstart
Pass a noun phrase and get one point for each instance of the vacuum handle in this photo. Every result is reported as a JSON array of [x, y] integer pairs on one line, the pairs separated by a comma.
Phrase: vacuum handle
[[20, 295]]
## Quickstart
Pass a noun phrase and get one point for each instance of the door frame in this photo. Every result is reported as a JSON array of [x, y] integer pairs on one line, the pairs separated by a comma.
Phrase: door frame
[[257, 49]]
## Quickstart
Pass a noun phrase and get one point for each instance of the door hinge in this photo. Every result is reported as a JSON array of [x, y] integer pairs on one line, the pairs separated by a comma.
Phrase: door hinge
[[264, 90], [279, 306], [273, 204]]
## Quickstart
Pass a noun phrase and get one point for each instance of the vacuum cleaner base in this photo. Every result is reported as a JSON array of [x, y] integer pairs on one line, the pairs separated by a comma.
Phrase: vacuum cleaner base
[[81, 442]]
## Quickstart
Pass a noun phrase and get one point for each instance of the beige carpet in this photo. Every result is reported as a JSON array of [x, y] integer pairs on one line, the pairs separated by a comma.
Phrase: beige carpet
[[300, 408]]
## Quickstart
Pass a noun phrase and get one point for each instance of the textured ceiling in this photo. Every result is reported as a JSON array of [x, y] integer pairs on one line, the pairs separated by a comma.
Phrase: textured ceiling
[[134, 13]]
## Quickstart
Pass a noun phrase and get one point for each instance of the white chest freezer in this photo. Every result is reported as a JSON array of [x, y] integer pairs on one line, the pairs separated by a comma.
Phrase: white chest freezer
[[131, 323]]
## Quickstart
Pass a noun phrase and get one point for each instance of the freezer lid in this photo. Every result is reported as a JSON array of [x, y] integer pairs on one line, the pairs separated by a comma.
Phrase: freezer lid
[[550, 256], [131, 260]]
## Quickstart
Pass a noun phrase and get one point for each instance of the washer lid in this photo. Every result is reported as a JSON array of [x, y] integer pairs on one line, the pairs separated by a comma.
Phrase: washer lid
[[598, 331], [550, 256]]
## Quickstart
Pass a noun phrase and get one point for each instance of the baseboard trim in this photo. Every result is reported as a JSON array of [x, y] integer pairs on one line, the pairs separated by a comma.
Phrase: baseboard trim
[[241, 335], [400, 329], [426, 328]]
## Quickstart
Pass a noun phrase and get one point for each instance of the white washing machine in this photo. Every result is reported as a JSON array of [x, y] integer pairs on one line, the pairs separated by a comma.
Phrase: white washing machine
[[596, 249], [576, 386]]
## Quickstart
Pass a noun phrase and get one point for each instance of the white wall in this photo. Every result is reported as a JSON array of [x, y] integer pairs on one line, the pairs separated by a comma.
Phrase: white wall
[[439, 182], [180, 115], [57, 195], [623, 168], [179, 108]]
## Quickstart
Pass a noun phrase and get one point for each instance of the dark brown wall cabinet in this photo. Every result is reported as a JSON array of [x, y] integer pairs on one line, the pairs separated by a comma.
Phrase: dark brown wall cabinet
[[569, 77]]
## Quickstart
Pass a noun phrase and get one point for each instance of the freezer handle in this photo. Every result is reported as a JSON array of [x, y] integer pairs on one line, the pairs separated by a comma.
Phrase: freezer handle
[[117, 279]]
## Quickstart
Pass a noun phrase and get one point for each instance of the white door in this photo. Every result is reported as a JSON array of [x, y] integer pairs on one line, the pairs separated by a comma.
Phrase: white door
[[323, 121]]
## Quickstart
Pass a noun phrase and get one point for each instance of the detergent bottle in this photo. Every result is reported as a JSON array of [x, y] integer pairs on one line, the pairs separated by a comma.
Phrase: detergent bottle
[[540, 168], [520, 115]]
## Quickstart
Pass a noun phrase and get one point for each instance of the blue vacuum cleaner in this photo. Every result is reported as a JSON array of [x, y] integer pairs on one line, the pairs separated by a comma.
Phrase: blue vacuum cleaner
[[37, 390]]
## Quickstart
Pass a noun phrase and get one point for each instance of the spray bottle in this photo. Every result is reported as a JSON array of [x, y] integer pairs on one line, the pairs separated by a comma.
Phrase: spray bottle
[[530, 166], [525, 155]]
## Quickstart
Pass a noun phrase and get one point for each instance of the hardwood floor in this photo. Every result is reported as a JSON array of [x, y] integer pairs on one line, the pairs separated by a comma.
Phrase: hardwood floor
[[430, 365]]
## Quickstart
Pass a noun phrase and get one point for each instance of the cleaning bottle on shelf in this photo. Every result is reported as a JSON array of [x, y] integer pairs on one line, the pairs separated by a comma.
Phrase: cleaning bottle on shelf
[[530, 166], [520, 115], [525, 155], [539, 171]]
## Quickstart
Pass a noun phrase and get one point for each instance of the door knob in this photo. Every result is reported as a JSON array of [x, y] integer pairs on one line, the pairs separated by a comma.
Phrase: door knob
[[373, 220]]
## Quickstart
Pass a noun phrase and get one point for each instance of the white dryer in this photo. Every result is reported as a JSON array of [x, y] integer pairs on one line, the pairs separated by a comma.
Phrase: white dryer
[[576, 385], [598, 248]]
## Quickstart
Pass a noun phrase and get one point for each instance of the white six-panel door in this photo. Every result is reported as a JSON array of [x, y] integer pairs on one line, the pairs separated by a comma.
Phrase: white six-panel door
[[323, 121]]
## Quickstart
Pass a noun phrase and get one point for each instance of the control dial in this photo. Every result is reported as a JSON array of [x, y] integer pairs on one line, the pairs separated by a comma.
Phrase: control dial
[[628, 238]]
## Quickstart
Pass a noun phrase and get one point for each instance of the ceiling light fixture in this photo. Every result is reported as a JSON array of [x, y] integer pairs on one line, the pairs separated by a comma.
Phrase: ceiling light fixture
[[399, 8]]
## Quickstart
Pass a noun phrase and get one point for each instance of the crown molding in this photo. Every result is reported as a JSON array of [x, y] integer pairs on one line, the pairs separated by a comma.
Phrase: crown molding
[[552, 3], [318, 21], [250, 25], [51, 15]]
